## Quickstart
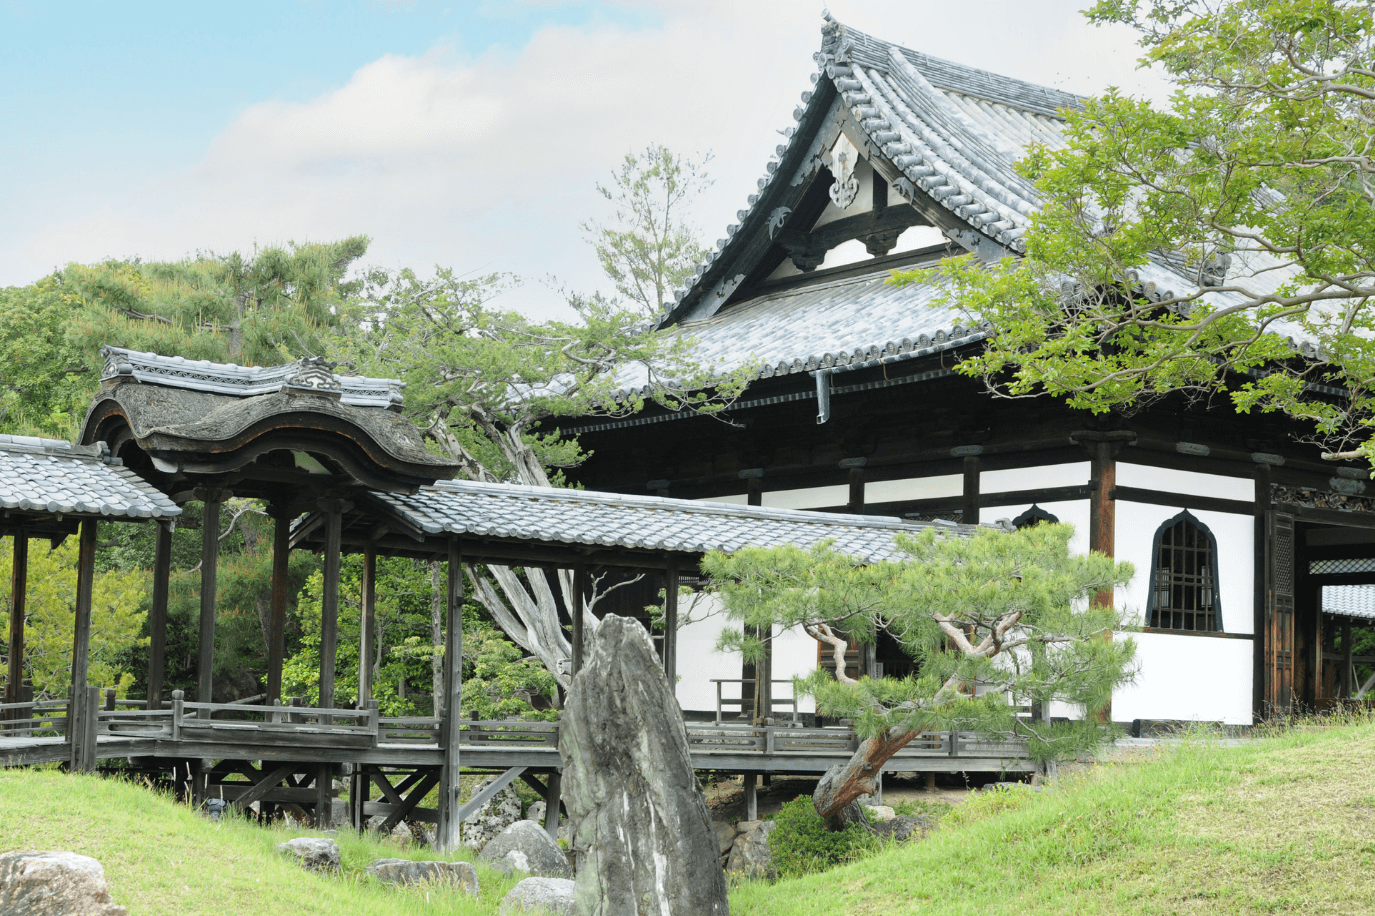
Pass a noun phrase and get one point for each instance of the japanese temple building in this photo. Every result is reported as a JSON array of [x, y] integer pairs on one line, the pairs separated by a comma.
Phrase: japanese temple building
[[1254, 556]]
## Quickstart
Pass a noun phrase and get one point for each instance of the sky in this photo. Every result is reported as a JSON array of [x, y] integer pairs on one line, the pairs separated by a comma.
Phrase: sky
[[469, 135]]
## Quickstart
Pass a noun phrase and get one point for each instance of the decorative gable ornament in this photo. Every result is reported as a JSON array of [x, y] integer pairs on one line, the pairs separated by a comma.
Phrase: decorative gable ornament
[[315, 375], [841, 160]]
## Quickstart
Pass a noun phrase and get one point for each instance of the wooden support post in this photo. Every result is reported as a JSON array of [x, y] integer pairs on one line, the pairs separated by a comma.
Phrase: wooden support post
[[276, 623], [855, 504], [763, 679], [19, 586], [368, 624], [157, 613], [329, 599], [576, 613], [1259, 668], [552, 799], [1346, 657], [210, 560], [1103, 518], [447, 836], [79, 707], [324, 796], [751, 797], [969, 506], [671, 623]]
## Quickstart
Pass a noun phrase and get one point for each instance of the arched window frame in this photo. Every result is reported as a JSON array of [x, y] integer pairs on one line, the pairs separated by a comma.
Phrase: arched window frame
[[1033, 516], [1152, 616]]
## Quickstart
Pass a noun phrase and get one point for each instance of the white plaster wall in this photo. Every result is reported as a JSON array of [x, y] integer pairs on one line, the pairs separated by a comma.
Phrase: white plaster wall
[[1188, 678], [807, 498], [1167, 480], [739, 499], [794, 652], [891, 491], [1070, 474], [1235, 534]]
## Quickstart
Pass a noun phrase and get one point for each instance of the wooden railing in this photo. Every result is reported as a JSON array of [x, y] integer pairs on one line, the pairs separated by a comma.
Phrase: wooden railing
[[33, 719]]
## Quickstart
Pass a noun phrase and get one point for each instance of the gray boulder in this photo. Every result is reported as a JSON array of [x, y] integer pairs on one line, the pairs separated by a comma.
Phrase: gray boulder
[[524, 846], [751, 857], [904, 827], [541, 895], [642, 833], [54, 884], [314, 853], [500, 812], [404, 871], [725, 837]]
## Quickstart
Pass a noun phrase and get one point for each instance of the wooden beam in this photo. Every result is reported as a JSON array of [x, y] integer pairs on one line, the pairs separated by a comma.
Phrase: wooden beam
[[368, 624], [210, 561], [263, 786], [329, 599], [281, 587], [157, 613], [1182, 500], [447, 836], [19, 579]]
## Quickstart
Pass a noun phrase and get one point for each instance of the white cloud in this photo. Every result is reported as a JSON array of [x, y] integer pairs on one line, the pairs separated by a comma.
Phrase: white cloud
[[489, 163]]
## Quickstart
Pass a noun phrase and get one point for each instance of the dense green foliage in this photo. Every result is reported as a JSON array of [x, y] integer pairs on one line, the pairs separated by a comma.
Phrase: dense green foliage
[[988, 618], [1255, 178], [801, 844]]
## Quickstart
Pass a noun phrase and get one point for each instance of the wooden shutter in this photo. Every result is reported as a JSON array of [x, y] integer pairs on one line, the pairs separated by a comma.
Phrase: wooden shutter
[[1280, 550]]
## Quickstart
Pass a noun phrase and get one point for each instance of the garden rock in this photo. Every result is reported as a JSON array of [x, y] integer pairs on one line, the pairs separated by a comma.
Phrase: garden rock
[[54, 884], [725, 837], [642, 834], [524, 846], [880, 813], [904, 827], [751, 857], [536, 812], [500, 812], [541, 895], [314, 853], [404, 871]]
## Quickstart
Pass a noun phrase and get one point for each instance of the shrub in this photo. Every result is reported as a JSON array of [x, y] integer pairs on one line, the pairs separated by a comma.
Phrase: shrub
[[801, 844]]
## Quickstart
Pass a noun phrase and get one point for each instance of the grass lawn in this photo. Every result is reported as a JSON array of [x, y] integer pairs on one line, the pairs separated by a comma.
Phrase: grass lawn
[[1281, 825]]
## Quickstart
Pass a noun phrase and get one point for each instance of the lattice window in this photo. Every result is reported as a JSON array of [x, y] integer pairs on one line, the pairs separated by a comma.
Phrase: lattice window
[[1184, 577], [1349, 565]]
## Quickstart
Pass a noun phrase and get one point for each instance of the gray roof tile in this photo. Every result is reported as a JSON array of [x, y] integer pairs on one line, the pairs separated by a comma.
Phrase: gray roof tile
[[1349, 600], [642, 522], [50, 476]]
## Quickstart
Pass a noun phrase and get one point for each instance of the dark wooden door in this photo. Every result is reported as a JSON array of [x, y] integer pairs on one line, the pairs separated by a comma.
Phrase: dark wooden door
[[1281, 560]]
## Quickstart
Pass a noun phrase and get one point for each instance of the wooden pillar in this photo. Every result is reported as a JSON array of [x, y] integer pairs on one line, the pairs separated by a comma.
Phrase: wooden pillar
[[276, 621], [754, 492], [1346, 657], [368, 624], [751, 797], [1259, 668], [579, 590], [855, 504], [324, 796], [552, 800], [211, 499], [79, 705], [329, 599], [969, 505], [447, 836], [19, 586], [1103, 521], [671, 624], [157, 613]]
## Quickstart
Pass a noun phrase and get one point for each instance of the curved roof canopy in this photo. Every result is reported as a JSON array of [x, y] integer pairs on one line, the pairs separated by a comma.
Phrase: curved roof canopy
[[286, 433]]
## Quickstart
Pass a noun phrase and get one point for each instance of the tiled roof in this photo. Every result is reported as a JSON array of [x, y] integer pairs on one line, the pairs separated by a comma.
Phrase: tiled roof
[[247, 381], [639, 522], [1349, 600], [50, 476]]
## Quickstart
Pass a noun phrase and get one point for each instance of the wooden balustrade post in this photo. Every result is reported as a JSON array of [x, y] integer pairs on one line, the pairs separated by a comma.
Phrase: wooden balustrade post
[[109, 699], [178, 711]]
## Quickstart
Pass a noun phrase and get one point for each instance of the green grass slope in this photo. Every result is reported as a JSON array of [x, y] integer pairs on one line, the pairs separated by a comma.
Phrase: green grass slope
[[162, 859], [1281, 825]]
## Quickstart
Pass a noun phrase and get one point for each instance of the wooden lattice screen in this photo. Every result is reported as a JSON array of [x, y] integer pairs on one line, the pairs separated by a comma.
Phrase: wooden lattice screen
[[1185, 587]]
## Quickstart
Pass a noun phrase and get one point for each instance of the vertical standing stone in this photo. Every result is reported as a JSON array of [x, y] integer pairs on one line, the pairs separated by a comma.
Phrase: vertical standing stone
[[641, 830]]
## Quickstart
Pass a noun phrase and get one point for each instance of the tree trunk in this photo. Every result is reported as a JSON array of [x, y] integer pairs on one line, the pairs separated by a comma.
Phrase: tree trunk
[[837, 794], [439, 580]]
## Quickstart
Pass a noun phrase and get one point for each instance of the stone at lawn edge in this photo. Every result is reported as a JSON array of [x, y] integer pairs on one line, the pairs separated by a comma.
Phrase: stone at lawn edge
[[404, 871], [751, 857], [54, 884], [500, 812], [642, 834], [524, 846], [314, 853], [880, 813], [540, 895], [904, 827]]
